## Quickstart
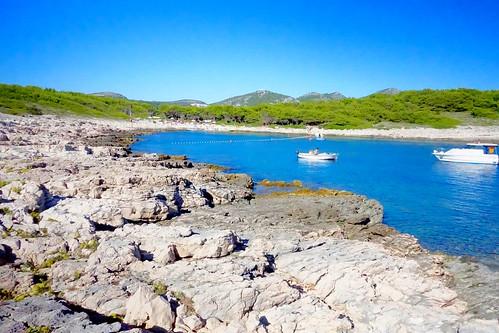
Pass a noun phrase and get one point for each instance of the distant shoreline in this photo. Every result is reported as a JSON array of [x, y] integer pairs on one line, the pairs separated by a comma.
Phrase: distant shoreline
[[461, 133], [458, 134]]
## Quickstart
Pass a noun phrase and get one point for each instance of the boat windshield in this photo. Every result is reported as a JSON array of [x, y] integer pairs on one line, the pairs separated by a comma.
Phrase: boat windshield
[[489, 150]]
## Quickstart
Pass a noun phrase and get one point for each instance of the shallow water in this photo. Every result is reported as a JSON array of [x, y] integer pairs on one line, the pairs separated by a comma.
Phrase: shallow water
[[449, 207]]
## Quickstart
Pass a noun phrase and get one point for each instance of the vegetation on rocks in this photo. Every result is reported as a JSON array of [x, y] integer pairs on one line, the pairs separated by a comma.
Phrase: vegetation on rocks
[[35, 215], [59, 256], [160, 288], [41, 286], [3, 182], [77, 275], [116, 317], [38, 329], [304, 192], [89, 245], [16, 189], [17, 232], [6, 294], [280, 183], [5, 211]]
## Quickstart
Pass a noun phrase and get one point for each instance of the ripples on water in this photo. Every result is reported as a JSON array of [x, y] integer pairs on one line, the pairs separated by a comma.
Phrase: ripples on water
[[450, 207]]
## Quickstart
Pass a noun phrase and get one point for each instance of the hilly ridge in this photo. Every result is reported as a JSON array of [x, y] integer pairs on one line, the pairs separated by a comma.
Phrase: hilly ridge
[[108, 94], [389, 91], [267, 96], [315, 96], [187, 102], [255, 98]]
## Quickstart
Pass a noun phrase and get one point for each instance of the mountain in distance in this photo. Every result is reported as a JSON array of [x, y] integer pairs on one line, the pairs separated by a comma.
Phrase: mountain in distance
[[388, 91], [108, 94], [187, 102], [255, 98], [315, 96]]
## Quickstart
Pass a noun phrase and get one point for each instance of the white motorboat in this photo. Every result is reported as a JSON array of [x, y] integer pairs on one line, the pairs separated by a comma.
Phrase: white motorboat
[[314, 155], [482, 153]]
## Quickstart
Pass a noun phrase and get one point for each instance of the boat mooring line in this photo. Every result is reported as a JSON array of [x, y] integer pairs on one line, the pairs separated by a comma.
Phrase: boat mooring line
[[234, 141]]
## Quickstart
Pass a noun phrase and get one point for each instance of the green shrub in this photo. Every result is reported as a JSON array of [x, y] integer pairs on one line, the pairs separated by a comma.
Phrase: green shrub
[[23, 170], [38, 329], [59, 256], [116, 316], [36, 216], [6, 294], [89, 245], [160, 288], [77, 275], [40, 288], [24, 234], [5, 211]]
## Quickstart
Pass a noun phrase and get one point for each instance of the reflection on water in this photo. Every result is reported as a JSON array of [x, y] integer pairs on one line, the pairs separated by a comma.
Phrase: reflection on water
[[315, 163], [466, 171], [451, 207]]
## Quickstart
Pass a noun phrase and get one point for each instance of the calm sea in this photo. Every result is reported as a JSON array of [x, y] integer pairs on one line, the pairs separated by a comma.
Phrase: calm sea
[[449, 207]]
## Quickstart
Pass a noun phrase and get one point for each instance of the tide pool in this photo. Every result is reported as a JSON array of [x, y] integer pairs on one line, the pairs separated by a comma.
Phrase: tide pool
[[449, 207]]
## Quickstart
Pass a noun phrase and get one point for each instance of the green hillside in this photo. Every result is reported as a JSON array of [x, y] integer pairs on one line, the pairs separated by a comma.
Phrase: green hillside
[[20, 100], [434, 108]]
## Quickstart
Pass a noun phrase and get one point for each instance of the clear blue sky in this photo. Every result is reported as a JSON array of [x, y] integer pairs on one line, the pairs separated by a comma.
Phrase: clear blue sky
[[165, 50]]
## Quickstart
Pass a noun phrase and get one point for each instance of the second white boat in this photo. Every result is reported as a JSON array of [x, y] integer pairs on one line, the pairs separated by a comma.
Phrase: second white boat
[[481, 153]]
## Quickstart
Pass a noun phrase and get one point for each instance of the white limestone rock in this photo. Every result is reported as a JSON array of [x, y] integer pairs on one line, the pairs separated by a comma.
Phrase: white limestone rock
[[144, 307], [151, 210], [379, 292], [65, 220], [156, 239], [113, 254]]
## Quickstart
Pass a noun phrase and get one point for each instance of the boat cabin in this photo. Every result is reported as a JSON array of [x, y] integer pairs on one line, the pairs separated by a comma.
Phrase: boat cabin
[[488, 148]]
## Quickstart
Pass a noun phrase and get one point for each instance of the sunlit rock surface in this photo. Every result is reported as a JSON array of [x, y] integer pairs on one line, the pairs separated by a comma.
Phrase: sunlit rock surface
[[97, 239]]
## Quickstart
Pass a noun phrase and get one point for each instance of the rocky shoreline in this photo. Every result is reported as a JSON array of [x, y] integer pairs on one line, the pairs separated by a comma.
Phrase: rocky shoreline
[[98, 239]]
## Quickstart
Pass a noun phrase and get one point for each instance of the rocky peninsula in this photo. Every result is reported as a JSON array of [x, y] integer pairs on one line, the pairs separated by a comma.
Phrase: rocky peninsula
[[96, 238]]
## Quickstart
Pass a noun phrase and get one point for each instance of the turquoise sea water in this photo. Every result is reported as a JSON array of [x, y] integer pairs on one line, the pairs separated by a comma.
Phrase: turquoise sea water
[[449, 207]]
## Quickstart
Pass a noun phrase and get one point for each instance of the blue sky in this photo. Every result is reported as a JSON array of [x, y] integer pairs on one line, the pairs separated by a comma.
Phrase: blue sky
[[166, 50]]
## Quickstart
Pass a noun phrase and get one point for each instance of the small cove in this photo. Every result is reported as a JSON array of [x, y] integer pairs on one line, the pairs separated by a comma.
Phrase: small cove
[[449, 207]]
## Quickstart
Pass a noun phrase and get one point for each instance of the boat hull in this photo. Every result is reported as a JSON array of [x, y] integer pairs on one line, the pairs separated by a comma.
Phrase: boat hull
[[459, 158], [318, 157]]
